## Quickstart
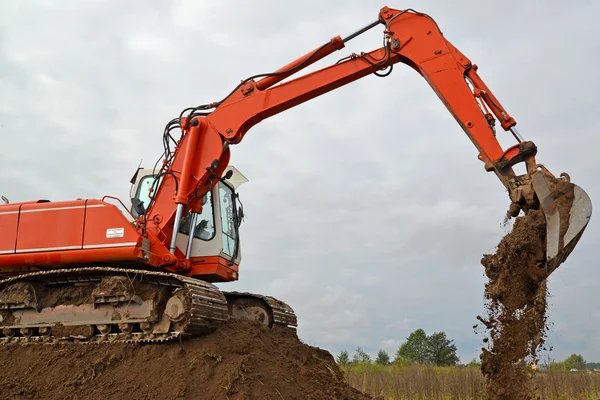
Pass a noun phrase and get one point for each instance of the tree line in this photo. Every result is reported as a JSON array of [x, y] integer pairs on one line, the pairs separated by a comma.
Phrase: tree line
[[419, 348], [437, 349], [574, 361]]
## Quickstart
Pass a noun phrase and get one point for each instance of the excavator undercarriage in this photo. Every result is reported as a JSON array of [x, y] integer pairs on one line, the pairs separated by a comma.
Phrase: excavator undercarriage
[[102, 304]]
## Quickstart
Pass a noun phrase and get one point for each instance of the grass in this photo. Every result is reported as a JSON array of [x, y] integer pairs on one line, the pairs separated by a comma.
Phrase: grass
[[461, 383]]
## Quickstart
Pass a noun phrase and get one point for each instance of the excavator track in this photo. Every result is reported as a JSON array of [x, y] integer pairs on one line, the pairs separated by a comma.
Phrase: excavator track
[[282, 313], [180, 307], [108, 305]]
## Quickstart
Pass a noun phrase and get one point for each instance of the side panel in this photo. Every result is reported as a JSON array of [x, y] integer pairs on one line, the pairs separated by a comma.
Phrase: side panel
[[9, 218], [63, 234], [107, 227], [27, 262], [51, 226]]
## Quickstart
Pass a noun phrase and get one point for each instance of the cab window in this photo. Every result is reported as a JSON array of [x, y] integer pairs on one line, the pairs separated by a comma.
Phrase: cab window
[[143, 192], [205, 222], [227, 219]]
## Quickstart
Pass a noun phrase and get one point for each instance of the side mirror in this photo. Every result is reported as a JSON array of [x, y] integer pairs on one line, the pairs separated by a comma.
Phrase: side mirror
[[138, 206]]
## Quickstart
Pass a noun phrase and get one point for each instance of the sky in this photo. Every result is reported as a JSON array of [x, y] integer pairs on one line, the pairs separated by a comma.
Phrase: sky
[[367, 208]]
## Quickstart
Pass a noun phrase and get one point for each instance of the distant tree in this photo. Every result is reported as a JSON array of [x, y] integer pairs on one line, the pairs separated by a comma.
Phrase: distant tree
[[360, 357], [593, 365], [575, 361], [441, 350], [383, 358], [422, 349], [415, 348], [343, 358], [474, 364]]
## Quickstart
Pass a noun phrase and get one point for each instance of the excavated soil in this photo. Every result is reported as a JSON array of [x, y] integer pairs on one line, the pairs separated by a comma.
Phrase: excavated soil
[[240, 361], [516, 308], [516, 301]]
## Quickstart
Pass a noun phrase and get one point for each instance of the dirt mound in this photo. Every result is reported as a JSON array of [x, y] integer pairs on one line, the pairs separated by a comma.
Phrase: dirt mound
[[516, 306], [241, 360]]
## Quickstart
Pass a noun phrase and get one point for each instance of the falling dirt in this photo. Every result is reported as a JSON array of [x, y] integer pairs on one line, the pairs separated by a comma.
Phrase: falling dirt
[[516, 307], [241, 361], [516, 301]]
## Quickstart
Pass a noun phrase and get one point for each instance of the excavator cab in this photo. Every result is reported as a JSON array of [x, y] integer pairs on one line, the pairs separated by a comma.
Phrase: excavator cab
[[207, 236]]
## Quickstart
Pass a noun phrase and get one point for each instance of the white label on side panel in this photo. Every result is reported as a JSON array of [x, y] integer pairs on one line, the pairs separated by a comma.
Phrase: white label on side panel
[[115, 233]]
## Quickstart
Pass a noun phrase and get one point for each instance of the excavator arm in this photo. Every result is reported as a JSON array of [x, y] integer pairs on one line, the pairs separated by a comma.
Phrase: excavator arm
[[411, 38]]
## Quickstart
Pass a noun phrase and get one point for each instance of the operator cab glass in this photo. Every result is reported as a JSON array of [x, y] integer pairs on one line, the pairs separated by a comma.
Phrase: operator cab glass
[[143, 191], [205, 222], [227, 220]]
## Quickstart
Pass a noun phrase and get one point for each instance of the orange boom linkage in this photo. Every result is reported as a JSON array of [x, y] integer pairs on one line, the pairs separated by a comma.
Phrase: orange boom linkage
[[45, 236]]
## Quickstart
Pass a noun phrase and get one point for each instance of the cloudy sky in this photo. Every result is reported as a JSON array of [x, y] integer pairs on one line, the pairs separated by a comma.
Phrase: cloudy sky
[[368, 211]]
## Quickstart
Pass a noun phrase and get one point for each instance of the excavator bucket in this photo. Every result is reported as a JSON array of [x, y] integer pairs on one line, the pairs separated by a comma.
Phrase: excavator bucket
[[568, 210]]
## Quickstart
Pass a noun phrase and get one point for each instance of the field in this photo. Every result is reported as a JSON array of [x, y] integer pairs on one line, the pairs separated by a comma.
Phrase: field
[[461, 383]]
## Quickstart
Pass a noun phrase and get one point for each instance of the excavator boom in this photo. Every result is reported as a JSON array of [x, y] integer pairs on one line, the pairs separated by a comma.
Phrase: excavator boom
[[411, 38]]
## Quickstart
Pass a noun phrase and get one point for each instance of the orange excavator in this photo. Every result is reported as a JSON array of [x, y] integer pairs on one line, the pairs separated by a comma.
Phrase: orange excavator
[[97, 270]]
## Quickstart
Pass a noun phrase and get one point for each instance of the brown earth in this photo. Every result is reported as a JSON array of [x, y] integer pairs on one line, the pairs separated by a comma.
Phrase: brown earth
[[241, 360], [516, 301], [75, 295], [516, 307]]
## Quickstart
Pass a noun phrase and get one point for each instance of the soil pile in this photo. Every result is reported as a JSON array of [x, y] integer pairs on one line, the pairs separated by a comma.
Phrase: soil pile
[[240, 361], [516, 307]]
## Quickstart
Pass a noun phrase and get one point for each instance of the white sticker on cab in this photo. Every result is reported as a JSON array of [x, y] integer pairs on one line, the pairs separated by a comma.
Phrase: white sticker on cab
[[115, 233]]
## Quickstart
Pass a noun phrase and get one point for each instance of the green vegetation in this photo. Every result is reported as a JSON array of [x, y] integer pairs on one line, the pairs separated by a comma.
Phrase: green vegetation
[[383, 358], [413, 381], [414, 350], [427, 367], [435, 349], [360, 357], [343, 358], [574, 361]]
